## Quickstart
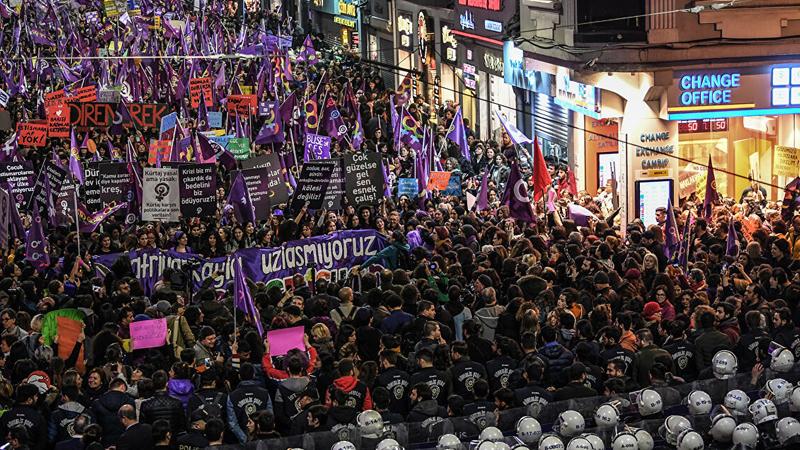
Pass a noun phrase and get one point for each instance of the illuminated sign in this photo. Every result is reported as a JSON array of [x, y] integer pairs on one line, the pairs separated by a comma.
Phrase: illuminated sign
[[347, 8], [405, 28], [576, 96], [493, 63], [785, 85], [466, 21], [422, 34], [492, 25], [449, 44], [344, 21], [491, 5], [709, 89]]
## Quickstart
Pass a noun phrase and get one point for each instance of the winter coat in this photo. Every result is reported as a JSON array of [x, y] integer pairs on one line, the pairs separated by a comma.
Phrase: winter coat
[[557, 358]]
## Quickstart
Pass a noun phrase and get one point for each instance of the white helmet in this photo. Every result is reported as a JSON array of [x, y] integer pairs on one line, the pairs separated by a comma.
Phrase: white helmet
[[699, 403], [500, 445], [606, 416], [388, 444], [529, 430], [782, 360], [690, 440], [491, 434], [787, 428], [794, 406], [597, 443], [551, 442], [449, 442], [724, 364], [343, 445], [722, 426], [486, 445], [672, 427], [763, 410], [745, 434], [579, 443], [737, 401], [569, 423], [779, 389], [644, 438], [520, 447], [649, 402], [624, 441], [370, 422]]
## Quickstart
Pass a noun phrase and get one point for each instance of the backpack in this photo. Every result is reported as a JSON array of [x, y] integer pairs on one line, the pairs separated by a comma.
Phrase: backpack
[[347, 319], [213, 407]]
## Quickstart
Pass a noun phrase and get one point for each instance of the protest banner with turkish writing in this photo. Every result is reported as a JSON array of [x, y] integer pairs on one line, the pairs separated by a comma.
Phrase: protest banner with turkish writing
[[32, 134], [439, 181], [160, 194], [57, 121], [364, 178], [198, 85], [148, 333], [408, 187], [21, 179], [242, 104], [198, 189], [239, 147]]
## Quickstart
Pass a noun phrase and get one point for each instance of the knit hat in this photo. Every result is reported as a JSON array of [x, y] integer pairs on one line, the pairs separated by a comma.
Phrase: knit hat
[[651, 309], [600, 278], [633, 274]]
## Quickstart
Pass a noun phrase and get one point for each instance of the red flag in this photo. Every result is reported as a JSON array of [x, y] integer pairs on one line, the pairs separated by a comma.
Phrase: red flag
[[541, 177]]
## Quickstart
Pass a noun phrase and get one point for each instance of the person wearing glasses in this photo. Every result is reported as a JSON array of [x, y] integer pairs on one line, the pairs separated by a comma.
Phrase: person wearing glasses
[[10, 328]]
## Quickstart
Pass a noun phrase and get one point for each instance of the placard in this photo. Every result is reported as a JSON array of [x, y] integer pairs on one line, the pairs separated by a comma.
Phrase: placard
[[85, 115], [317, 147], [239, 147], [168, 125], [68, 332], [364, 178], [91, 186], [160, 194], [3, 98], [21, 180], [148, 333], [336, 185], [54, 98], [214, 119], [271, 164], [408, 187], [86, 94], [439, 181], [52, 176], [198, 190], [114, 182], [57, 121], [242, 104], [198, 85], [164, 148], [32, 134], [147, 115], [258, 186], [454, 185], [786, 161], [284, 339], [313, 183], [109, 95]]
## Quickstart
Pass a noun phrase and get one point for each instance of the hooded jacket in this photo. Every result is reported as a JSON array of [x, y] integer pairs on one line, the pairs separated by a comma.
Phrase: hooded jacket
[[181, 389], [357, 392], [426, 410], [557, 358], [62, 418]]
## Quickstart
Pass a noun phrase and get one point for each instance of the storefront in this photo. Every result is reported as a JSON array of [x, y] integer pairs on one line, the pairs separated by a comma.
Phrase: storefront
[[744, 117], [376, 29], [338, 20]]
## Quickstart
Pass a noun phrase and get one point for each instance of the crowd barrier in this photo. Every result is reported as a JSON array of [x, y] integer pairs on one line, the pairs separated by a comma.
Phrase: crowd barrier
[[420, 436]]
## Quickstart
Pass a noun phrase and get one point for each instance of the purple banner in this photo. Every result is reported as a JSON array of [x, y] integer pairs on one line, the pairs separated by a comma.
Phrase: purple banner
[[330, 256], [317, 147]]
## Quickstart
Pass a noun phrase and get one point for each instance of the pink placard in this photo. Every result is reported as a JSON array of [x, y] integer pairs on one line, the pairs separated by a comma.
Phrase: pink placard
[[148, 333], [285, 339]]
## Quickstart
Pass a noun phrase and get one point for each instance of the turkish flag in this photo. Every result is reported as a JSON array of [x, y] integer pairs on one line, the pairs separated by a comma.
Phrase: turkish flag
[[541, 177]]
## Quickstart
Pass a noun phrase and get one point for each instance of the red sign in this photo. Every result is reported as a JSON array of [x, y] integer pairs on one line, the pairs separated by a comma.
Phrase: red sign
[[439, 181], [243, 104], [91, 114], [32, 134], [492, 5], [198, 85], [58, 121], [85, 95], [147, 115], [54, 98], [156, 147]]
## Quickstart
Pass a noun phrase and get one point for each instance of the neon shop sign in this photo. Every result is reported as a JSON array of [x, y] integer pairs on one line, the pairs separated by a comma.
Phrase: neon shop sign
[[708, 89]]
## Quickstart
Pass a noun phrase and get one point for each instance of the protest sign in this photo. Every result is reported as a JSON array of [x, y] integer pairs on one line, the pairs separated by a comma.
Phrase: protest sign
[[285, 339], [198, 85], [5, 215], [198, 189], [108, 95], [336, 185], [313, 183], [439, 181], [453, 185], [64, 205], [50, 180], [32, 134], [258, 187], [3, 98], [242, 104], [317, 147], [160, 194], [21, 180], [168, 124], [84, 115], [148, 333], [271, 165], [222, 141], [408, 187], [147, 115], [164, 148], [330, 256], [363, 178], [786, 161], [57, 121], [68, 332], [54, 98], [239, 147], [91, 186], [86, 94], [114, 182], [215, 119]]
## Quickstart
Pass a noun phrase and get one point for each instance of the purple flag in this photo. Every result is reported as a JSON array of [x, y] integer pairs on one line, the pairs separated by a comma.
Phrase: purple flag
[[242, 298], [74, 157], [219, 81], [239, 198], [458, 134], [712, 196], [308, 54], [514, 134], [358, 132], [387, 186], [205, 152], [483, 195], [8, 152], [272, 130], [580, 215], [335, 125], [516, 196], [90, 221], [286, 109], [411, 132], [202, 114], [732, 247], [671, 239], [36, 245]]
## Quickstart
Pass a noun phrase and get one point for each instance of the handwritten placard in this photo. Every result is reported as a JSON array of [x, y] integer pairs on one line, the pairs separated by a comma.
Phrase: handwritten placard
[[148, 333], [285, 339]]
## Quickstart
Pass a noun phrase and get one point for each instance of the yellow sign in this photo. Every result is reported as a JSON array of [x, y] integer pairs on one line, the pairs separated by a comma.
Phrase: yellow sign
[[786, 161], [346, 22]]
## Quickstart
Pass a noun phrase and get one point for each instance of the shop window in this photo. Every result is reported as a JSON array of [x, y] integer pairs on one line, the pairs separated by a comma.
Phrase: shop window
[[623, 30]]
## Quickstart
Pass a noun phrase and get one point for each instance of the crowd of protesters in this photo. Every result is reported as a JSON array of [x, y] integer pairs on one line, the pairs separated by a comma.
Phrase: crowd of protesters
[[485, 314]]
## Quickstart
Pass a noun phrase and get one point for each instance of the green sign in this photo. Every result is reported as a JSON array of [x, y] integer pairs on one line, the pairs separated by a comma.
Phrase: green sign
[[240, 147]]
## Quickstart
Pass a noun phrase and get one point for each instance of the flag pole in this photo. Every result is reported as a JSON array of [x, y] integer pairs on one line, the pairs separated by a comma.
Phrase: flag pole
[[77, 222]]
